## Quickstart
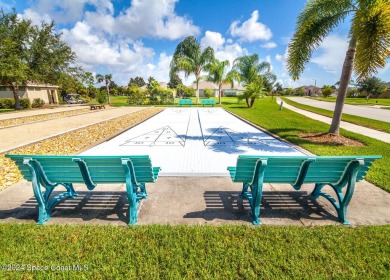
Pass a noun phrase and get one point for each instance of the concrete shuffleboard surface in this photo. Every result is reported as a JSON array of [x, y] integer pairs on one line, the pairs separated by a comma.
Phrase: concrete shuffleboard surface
[[194, 142]]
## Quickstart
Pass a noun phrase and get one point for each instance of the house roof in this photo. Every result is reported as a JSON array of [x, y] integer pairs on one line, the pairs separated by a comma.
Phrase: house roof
[[31, 84], [210, 85]]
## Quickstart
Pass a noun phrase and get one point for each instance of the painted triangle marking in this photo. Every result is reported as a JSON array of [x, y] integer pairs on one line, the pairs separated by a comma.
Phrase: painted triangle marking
[[163, 136]]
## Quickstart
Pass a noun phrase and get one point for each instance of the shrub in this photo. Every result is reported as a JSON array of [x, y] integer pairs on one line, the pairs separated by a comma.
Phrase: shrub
[[188, 92], [37, 103], [136, 95], [85, 98], [166, 97], [300, 91], [9, 103], [208, 92], [327, 90], [25, 103], [101, 97]]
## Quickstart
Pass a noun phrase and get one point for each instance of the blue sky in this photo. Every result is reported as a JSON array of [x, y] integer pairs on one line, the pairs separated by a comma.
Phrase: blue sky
[[130, 38]]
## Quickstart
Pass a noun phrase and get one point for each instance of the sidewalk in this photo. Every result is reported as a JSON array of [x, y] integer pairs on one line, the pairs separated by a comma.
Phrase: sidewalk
[[372, 133], [38, 112], [32, 132]]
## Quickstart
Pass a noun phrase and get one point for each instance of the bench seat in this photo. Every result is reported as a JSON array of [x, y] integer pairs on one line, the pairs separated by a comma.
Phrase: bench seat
[[52, 171], [338, 172]]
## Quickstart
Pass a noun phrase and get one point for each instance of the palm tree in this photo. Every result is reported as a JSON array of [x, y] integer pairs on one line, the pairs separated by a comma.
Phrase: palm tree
[[217, 74], [369, 40], [107, 78], [248, 69], [190, 58], [253, 91]]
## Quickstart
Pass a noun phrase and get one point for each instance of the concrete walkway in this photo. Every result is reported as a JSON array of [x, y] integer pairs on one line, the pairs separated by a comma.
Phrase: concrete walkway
[[38, 112], [379, 135], [17, 136], [369, 112], [197, 201]]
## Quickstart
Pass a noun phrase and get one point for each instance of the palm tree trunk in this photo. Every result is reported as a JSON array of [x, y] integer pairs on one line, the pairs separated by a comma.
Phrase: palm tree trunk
[[108, 93], [197, 92], [343, 88], [219, 94]]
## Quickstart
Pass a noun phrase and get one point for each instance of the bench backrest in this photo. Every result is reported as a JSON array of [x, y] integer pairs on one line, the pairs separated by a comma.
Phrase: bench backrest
[[282, 169], [102, 169], [185, 101]]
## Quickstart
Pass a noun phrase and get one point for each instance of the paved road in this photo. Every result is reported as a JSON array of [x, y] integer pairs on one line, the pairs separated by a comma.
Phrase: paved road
[[17, 136], [361, 111]]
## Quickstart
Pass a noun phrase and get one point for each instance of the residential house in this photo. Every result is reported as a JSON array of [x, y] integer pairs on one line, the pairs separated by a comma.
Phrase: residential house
[[311, 90], [226, 90], [46, 92]]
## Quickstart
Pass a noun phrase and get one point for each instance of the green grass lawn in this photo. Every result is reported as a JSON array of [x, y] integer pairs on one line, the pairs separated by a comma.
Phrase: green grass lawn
[[6, 110], [288, 124], [374, 124], [357, 101], [195, 252]]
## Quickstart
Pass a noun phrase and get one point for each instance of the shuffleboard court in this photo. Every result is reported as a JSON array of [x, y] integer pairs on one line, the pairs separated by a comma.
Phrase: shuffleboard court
[[194, 142]]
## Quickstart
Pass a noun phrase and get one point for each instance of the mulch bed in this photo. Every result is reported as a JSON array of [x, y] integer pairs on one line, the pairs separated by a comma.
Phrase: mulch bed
[[330, 139]]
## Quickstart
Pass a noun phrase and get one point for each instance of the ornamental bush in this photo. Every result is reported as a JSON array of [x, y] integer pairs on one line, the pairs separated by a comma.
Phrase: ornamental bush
[[37, 103]]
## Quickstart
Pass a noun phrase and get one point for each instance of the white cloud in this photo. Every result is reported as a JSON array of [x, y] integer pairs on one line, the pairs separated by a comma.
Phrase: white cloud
[[212, 39], [269, 45], [94, 51], [250, 30], [150, 18], [268, 59], [224, 49], [331, 54], [35, 17], [279, 57]]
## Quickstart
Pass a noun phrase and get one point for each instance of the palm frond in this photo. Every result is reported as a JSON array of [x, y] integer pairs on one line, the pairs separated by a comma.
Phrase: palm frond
[[371, 29], [314, 23]]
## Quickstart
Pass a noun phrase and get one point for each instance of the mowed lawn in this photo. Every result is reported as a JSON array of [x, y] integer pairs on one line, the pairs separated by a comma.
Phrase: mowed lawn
[[288, 124], [193, 252]]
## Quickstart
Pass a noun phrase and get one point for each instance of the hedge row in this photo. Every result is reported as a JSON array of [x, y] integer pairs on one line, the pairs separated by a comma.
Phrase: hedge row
[[9, 103]]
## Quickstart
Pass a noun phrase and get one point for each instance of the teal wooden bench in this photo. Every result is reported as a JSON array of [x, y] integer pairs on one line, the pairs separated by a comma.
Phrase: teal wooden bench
[[338, 172], [208, 102], [185, 102], [53, 171]]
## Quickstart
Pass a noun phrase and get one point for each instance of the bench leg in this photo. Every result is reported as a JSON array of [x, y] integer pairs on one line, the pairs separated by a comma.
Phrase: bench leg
[[256, 193], [133, 204], [45, 204], [343, 200], [133, 196]]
